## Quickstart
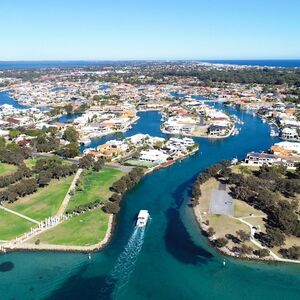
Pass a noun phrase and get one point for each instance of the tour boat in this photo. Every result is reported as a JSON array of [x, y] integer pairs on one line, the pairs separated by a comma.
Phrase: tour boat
[[142, 218]]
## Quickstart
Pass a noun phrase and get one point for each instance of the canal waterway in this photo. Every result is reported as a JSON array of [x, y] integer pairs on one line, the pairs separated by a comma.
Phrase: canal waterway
[[171, 259], [5, 98]]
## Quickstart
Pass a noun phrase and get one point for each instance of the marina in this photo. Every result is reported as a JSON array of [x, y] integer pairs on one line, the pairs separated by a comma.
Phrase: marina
[[173, 236]]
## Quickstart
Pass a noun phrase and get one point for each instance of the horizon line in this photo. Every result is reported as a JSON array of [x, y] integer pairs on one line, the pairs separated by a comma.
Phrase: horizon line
[[132, 60]]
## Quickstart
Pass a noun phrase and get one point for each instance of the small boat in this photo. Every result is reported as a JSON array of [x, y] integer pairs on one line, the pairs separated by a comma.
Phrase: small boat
[[142, 218], [90, 256], [224, 262]]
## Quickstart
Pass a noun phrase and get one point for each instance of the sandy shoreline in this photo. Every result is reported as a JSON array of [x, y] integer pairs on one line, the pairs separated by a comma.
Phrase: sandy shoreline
[[226, 251]]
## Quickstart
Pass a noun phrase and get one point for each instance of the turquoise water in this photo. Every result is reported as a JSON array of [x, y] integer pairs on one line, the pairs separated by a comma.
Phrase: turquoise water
[[170, 260]]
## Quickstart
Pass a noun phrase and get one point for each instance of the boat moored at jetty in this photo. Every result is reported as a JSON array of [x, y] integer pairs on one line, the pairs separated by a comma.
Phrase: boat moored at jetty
[[142, 218]]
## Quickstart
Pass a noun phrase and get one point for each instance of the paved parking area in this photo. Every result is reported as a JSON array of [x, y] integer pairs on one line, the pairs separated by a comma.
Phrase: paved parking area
[[221, 202]]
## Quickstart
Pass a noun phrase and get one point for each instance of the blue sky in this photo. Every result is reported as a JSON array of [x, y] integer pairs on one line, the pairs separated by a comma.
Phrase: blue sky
[[149, 29]]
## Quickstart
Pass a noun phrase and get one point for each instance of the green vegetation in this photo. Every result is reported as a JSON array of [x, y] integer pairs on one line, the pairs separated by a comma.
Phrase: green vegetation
[[83, 230], [12, 226], [265, 76], [45, 202], [30, 162], [7, 169], [94, 186]]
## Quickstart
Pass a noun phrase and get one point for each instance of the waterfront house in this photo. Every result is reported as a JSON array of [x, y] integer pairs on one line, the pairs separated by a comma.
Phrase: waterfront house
[[259, 159], [217, 130]]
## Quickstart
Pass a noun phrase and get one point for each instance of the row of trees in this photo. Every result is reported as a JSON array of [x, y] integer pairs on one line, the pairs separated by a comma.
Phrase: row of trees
[[22, 188], [120, 187], [44, 170], [13, 153], [21, 172], [265, 76], [88, 162]]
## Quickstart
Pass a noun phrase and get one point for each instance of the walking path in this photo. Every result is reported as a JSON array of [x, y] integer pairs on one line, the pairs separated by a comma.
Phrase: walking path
[[67, 198], [259, 245], [19, 215]]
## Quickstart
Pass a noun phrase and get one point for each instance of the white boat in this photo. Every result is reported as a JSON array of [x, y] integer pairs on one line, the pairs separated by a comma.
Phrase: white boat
[[273, 133], [142, 218]]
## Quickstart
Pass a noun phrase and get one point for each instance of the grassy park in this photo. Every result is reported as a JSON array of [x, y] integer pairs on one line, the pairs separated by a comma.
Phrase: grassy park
[[83, 230], [12, 226], [95, 186], [45, 202], [7, 169]]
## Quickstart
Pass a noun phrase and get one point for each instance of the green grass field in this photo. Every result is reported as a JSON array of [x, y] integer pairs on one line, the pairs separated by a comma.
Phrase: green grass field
[[83, 230], [30, 162], [45, 202], [12, 226], [6, 169], [95, 186]]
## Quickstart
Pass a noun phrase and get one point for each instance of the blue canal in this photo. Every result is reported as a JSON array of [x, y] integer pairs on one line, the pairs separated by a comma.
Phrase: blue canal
[[171, 259], [6, 99]]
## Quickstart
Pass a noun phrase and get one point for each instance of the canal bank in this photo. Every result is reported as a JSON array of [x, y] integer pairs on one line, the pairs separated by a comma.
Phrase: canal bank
[[175, 261]]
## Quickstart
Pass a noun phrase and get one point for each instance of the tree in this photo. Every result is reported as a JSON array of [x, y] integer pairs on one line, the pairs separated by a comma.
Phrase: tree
[[86, 162], [71, 134], [99, 163], [291, 253], [119, 186], [244, 249], [274, 237], [210, 232], [115, 197], [243, 235], [44, 178], [221, 242], [71, 150], [111, 208], [261, 252]]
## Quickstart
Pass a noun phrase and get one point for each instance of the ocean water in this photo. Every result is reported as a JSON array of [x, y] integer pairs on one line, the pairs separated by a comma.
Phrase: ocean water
[[15, 65], [171, 259]]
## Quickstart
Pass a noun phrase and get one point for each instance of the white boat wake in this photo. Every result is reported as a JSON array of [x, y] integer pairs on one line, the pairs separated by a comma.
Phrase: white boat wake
[[126, 261]]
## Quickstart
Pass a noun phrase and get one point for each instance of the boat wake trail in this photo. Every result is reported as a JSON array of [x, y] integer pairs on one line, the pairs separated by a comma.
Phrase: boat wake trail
[[126, 261]]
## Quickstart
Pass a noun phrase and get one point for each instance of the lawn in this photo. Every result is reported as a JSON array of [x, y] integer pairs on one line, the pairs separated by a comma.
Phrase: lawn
[[12, 226], [30, 162], [95, 186], [83, 230], [6, 169], [242, 209], [206, 190], [45, 202]]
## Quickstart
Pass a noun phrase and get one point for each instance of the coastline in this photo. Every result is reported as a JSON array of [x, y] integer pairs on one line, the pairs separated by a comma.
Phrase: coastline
[[272, 258]]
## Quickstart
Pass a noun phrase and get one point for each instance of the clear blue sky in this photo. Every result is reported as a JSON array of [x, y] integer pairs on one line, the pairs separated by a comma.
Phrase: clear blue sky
[[149, 29]]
